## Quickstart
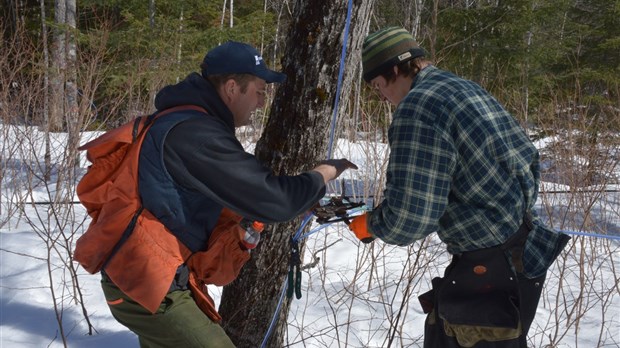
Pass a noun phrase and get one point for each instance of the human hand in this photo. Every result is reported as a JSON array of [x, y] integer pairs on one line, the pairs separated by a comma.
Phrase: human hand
[[332, 168], [340, 164], [359, 226]]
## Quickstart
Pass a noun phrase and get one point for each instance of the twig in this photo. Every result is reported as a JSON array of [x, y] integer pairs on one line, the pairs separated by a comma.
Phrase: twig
[[316, 258]]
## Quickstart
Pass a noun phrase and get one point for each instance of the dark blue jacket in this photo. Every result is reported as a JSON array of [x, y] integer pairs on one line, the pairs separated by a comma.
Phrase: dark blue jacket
[[192, 165]]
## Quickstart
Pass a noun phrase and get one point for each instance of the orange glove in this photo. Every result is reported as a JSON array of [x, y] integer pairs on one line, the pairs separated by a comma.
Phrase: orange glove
[[359, 226]]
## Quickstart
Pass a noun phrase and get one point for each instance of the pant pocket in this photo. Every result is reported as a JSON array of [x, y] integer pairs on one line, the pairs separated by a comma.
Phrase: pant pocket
[[120, 303]]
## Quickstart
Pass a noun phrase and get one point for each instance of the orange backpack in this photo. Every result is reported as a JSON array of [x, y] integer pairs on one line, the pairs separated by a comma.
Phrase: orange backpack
[[109, 189], [139, 254]]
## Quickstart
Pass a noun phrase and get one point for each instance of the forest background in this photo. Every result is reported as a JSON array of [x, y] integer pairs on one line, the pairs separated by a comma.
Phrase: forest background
[[71, 66]]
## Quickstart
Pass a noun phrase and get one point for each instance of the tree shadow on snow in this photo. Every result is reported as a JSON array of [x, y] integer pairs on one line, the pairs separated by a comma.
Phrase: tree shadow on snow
[[39, 328]]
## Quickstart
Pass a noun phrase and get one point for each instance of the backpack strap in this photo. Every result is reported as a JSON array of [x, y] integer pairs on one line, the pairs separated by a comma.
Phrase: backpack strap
[[136, 127], [137, 133], [124, 237], [150, 118]]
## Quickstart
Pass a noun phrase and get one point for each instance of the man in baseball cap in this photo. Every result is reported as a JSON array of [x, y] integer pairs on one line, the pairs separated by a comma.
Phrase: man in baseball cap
[[195, 179]]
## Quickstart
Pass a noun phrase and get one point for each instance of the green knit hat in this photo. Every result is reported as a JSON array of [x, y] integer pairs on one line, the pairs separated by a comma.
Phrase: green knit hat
[[386, 48]]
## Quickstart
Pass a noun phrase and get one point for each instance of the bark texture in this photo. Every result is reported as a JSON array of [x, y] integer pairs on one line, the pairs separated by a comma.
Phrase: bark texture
[[295, 139]]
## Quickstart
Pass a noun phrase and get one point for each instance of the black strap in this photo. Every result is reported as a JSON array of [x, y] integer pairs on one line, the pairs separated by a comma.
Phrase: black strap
[[294, 271], [124, 237], [137, 132], [136, 126], [181, 279], [516, 243]]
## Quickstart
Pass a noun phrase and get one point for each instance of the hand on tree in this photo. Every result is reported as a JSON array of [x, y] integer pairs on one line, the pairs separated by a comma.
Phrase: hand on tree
[[332, 168]]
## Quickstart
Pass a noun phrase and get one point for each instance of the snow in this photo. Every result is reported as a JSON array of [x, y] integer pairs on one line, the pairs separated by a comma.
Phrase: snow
[[356, 296]]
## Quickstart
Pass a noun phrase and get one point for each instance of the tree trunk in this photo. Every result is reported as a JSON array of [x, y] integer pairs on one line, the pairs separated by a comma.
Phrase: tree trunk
[[10, 16], [262, 30], [180, 44], [47, 156], [223, 15], [63, 96], [73, 117], [152, 14], [416, 26], [276, 46], [231, 13], [58, 67], [295, 139]]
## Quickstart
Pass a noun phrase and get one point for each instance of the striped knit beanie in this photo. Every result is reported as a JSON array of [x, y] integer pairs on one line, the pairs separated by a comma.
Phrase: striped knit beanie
[[386, 48]]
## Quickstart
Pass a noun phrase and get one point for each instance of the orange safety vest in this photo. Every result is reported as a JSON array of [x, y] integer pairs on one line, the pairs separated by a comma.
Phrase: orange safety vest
[[139, 254]]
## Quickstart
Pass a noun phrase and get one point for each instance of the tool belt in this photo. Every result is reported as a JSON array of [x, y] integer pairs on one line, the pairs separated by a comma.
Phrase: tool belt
[[478, 297]]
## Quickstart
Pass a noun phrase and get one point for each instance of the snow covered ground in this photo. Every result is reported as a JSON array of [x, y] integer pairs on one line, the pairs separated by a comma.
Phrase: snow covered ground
[[355, 296]]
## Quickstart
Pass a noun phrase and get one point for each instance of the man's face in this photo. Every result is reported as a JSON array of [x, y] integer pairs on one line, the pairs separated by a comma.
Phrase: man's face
[[385, 89], [244, 103]]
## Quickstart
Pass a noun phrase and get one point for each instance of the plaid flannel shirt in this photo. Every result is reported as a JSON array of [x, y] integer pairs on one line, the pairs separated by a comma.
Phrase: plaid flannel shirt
[[462, 166]]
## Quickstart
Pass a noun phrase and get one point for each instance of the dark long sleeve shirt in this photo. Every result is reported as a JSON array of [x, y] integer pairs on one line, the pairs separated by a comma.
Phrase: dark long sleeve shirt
[[205, 155], [202, 155]]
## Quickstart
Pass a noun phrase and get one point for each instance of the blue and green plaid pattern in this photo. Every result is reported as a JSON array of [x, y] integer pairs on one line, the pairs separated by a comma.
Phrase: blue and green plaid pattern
[[462, 166]]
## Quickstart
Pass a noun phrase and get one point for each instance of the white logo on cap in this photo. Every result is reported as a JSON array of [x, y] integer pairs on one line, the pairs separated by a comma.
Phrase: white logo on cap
[[258, 59], [404, 56]]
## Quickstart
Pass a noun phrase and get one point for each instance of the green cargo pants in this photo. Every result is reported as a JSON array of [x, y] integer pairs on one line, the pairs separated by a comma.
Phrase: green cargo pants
[[177, 323]]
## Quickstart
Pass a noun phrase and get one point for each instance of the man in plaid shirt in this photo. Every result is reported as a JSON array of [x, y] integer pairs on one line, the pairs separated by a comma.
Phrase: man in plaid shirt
[[462, 166]]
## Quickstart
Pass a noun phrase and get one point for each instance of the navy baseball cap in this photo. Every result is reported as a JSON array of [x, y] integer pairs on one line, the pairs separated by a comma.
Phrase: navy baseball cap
[[238, 58]]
